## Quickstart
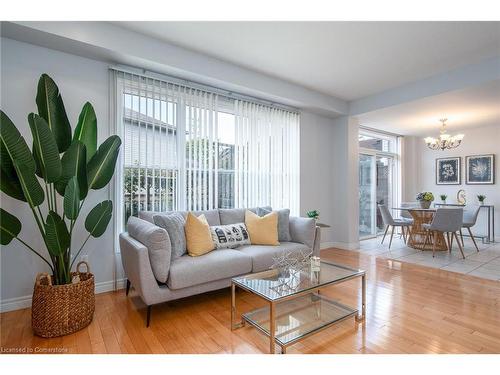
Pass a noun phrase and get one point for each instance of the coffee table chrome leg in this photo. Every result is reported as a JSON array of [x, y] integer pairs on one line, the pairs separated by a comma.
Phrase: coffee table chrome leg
[[272, 327], [362, 317], [233, 305]]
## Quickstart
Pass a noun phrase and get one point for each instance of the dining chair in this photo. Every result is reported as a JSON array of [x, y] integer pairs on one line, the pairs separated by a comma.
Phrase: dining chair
[[469, 220], [445, 220], [389, 221]]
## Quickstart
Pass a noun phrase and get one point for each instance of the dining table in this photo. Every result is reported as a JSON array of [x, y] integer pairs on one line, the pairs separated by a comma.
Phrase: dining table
[[418, 234]]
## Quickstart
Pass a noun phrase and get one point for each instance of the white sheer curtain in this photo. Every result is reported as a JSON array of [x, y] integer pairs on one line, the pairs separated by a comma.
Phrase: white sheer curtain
[[186, 148], [267, 156]]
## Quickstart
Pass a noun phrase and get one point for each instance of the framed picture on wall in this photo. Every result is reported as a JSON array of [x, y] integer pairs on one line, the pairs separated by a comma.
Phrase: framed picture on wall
[[480, 169], [448, 171]]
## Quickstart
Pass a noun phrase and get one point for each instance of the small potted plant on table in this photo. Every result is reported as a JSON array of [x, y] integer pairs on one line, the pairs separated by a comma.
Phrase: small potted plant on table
[[54, 179], [481, 198], [443, 198], [313, 214], [425, 199]]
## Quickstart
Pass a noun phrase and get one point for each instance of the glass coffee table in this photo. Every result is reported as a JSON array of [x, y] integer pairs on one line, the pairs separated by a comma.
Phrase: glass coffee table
[[296, 308]]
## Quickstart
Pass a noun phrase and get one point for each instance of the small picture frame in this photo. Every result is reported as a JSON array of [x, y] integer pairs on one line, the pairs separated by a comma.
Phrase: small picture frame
[[448, 171], [480, 169]]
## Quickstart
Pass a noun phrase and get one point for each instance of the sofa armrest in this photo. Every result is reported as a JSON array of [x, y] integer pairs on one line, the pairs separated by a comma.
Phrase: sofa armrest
[[303, 230], [135, 261]]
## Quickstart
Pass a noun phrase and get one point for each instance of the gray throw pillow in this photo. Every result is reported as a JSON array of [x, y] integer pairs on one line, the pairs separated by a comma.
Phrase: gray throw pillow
[[173, 223], [283, 222]]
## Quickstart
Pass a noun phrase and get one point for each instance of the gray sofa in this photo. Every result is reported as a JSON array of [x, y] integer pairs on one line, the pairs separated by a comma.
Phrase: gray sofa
[[150, 269]]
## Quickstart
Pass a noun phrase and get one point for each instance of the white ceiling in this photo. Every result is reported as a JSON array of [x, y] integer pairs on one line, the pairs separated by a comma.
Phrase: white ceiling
[[348, 60], [471, 107]]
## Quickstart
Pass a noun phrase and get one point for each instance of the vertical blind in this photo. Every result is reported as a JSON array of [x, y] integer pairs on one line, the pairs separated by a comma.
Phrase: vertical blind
[[186, 148]]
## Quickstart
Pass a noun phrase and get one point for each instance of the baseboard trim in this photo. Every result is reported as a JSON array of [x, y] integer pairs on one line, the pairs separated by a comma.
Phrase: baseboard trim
[[340, 245], [24, 302]]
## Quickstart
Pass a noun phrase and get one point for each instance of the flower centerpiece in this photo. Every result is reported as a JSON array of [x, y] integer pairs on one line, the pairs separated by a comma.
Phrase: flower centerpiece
[[443, 198], [481, 198], [425, 198]]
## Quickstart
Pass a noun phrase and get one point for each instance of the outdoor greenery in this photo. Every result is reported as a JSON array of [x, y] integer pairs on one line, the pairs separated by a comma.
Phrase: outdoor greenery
[[58, 164]]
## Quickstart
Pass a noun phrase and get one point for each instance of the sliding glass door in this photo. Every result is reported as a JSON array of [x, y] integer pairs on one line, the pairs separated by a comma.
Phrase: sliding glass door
[[367, 206], [375, 187], [378, 178]]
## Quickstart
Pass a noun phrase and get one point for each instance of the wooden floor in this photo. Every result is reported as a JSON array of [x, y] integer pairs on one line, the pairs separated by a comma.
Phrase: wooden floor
[[410, 309]]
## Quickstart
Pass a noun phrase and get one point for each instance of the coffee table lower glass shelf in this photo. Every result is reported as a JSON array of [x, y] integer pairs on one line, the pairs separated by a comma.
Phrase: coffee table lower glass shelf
[[297, 318]]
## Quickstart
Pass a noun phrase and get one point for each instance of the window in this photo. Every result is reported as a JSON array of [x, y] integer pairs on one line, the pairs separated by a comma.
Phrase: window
[[190, 149]]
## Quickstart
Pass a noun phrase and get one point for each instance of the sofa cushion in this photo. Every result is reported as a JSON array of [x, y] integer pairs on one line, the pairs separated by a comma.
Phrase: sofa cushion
[[229, 236], [262, 230], [221, 264], [283, 222], [303, 230], [212, 216], [198, 236], [235, 215], [262, 256], [157, 241], [173, 223]]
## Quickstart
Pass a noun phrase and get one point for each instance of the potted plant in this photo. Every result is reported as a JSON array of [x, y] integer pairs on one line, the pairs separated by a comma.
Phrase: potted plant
[[313, 214], [425, 198], [481, 199], [54, 179], [443, 198]]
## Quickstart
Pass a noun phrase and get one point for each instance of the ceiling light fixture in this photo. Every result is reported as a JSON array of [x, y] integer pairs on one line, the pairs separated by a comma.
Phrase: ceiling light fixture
[[445, 141]]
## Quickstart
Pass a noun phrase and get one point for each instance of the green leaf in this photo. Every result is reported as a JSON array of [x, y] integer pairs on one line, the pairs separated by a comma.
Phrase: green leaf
[[45, 152], [29, 183], [51, 108], [10, 227], [86, 130], [98, 218], [72, 199], [13, 147], [11, 186], [56, 234], [73, 164], [101, 167]]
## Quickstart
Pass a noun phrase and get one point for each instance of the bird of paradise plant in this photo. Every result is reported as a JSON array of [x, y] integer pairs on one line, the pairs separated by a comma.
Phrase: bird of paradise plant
[[59, 170]]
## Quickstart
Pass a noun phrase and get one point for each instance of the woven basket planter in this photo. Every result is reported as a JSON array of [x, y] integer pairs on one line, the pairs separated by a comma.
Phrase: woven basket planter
[[59, 310]]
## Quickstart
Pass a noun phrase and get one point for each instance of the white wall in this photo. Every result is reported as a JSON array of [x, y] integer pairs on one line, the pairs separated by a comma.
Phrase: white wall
[[420, 173], [79, 80]]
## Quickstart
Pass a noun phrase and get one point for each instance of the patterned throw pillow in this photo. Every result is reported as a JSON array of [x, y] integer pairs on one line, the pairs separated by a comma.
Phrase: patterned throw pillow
[[230, 236]]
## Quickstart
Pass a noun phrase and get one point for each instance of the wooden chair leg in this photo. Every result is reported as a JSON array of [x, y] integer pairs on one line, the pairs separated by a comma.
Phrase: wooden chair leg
[[473, 239], [448, 241], [434, 242], [408, 240], [386, 229], [405, 234], [461, 238], [451, 241], [459, 245], [425, 240], [128, 287], [392, 234]]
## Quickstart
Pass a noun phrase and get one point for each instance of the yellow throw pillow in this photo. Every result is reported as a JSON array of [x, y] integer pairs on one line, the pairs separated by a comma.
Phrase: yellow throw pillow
[[198, 237], [262, 230]]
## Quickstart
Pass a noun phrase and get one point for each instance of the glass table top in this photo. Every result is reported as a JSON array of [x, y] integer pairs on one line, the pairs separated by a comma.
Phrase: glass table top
[[274, 284]]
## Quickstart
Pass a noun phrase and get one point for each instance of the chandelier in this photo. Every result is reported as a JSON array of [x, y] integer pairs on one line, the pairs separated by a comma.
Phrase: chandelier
[[445, 141]]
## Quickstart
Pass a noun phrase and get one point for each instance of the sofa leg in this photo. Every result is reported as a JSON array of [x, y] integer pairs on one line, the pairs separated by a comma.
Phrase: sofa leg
[[148, 316], [128, 287]]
